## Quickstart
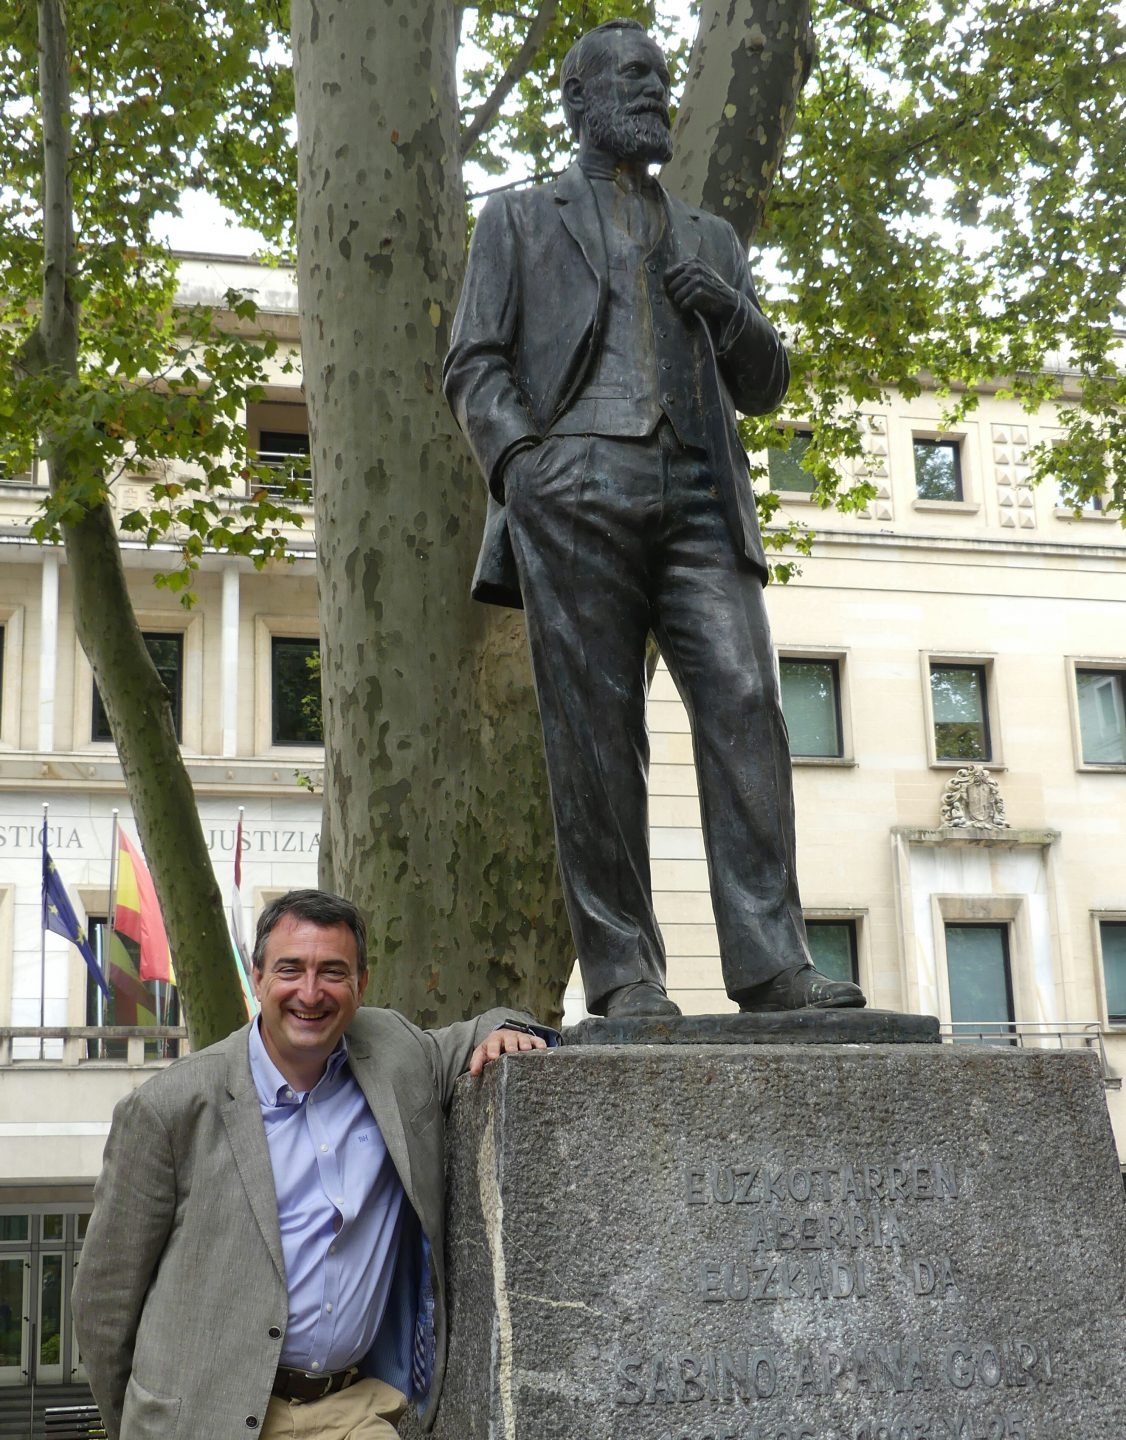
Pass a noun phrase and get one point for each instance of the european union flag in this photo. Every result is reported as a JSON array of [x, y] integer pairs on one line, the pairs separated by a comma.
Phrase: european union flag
[[59, 916]]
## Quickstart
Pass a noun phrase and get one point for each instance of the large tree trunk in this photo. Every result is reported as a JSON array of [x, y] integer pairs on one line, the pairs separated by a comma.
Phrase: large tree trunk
[[156, 779], [160, 791], [435, 793], [749, 62]]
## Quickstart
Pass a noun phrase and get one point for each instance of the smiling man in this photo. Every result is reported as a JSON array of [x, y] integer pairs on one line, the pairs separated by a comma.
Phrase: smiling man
[[266, 1249]]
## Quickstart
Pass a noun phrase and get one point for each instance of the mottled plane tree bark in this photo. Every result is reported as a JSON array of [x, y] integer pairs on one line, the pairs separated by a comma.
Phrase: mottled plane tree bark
[[747, 67]]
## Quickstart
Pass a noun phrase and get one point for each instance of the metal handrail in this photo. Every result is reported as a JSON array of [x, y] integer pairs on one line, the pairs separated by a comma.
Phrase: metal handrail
[[294, 464], [1033, 1034]]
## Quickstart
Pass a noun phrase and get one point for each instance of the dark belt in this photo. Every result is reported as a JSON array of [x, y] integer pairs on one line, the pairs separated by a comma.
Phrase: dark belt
[[303, 1385]]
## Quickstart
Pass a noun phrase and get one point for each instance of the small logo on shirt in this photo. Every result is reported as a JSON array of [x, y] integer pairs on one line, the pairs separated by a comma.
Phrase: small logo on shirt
[[363, 1137]]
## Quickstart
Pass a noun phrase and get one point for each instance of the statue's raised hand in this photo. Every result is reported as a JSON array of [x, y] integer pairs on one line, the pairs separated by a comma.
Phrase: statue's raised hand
[[694, 285]]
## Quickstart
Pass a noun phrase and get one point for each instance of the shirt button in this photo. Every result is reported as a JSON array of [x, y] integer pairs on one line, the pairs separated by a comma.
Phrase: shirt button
[[666, 364], [332, 1249], [668, 399], [288, 1096], [316, 1365], [328, 1308], [339, 1200], [324, 1149]]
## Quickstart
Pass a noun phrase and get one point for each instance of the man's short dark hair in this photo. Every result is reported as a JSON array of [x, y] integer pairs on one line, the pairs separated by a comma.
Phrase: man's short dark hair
[[584, 58], [319, 908]]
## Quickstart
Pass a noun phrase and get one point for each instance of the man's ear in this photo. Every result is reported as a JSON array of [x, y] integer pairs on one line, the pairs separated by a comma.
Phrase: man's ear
[[573, 94]]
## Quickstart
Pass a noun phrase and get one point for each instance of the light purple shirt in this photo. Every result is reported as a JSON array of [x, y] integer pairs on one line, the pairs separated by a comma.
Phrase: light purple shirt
[[340, 1209]]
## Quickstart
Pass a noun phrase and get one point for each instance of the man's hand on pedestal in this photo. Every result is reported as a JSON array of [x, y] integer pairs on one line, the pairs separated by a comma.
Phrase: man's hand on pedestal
[[503, 1042]]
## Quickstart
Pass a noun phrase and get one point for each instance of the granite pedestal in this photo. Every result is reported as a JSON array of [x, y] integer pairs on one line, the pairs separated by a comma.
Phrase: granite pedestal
[[851, 1241]]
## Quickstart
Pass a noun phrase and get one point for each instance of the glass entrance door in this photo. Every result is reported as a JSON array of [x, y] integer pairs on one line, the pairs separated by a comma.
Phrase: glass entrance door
[[14, 1274]]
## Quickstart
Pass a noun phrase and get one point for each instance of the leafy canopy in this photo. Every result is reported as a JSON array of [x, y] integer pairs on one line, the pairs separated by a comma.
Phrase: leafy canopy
[[167, 100], [951, 206]]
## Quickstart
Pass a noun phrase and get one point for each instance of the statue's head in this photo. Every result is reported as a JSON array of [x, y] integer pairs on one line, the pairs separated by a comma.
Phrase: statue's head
[[615, 87]]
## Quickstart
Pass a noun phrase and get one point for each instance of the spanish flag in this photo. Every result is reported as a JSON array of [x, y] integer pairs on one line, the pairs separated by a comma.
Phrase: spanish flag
[[137, 913]]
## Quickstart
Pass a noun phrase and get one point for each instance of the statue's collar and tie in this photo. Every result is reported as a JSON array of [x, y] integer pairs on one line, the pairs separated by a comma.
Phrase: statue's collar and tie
[[628, 178], [627, 196]]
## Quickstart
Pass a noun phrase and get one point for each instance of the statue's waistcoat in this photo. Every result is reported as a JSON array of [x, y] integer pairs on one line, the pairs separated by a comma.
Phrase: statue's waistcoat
[[646, 362]]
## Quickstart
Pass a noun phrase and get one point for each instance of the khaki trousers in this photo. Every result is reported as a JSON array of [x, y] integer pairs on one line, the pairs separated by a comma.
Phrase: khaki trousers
[[367, 1410]]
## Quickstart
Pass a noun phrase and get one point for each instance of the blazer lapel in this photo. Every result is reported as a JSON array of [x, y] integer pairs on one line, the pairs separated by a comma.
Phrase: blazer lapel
[[578, 210], [247, 1135], [380, 1095]]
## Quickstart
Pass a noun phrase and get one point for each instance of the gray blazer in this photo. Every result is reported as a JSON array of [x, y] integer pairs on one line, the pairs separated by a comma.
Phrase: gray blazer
[[530, 321], [180, 1301]]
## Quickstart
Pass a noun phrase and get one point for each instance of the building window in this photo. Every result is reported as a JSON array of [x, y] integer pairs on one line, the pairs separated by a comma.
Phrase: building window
[[785, 467], [1068, 498], [960, 710], [34, 475], [1102, 715], [1, 677], [295, 675], [1112, 941], [938, 469], [832, 943], [278, 435], [811, 703], [981, 983], [167, 652]]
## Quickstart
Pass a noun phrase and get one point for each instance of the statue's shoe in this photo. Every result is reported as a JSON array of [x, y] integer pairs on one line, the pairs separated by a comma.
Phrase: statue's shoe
[[642, 1000], [803, 988]]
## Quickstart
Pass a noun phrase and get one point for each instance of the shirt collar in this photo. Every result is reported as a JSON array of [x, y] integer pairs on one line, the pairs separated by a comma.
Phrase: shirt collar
[[272, 1086]]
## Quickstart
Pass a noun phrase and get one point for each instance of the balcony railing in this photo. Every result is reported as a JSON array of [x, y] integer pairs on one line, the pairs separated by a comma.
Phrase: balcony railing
[[75, 1045], [289, 467], [1036, 1035]]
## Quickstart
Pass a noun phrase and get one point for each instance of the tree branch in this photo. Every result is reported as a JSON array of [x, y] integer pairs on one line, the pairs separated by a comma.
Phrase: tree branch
[[537, 179], [57, 323], [874, 13], [517, 68]]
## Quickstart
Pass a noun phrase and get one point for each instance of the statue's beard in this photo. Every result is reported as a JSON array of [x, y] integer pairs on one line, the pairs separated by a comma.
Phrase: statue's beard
[[637, 135]]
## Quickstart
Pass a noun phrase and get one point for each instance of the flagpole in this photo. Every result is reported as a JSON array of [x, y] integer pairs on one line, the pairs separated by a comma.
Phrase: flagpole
[[43, 949], [113, 873], [107, 928], [111, 911]]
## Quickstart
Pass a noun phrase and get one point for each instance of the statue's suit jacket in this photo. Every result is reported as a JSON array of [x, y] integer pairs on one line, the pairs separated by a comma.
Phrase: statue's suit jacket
[[180, 1301], [530, 321]]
